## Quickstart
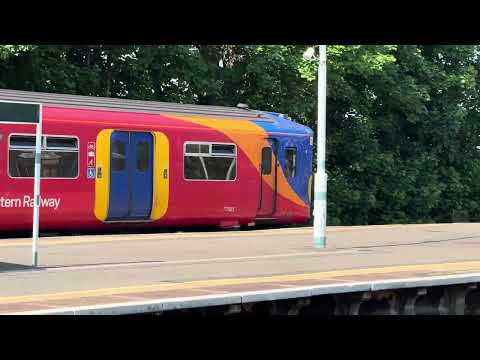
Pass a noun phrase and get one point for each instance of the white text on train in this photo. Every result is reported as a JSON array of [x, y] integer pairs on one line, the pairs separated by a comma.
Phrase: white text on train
[[28, 201]]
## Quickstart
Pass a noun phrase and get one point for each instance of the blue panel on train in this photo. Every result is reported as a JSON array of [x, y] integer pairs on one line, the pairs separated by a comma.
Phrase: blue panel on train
[[142, 174], [119, 175], [303, 149], [289, 135], [131, 176]]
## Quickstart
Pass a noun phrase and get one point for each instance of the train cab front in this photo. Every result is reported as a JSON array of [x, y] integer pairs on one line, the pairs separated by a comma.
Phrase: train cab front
[[292, 145]]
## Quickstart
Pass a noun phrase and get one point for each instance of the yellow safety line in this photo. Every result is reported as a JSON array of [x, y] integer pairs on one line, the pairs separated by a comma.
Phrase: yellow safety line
[[432, 269]]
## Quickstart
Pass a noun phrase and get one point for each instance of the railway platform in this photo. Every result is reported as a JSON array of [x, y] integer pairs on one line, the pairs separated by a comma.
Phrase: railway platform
[[238, 270]]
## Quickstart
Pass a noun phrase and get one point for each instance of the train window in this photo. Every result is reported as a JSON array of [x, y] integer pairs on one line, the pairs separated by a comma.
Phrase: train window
[[59, 157], [59, 164], [220, 168], [266, 161], [62, 143], [21, 163], [194, 168], [290, 161], [197, 149], [22, 141], [205, 161], [223, 149], [142, 156], [192, 148], [118, 155]]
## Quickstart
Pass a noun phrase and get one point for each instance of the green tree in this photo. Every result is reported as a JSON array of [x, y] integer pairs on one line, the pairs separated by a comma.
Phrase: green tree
[[402, 120]]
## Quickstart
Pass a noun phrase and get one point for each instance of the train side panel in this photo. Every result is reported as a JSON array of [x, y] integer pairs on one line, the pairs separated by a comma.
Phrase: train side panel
[[63, 201], [73, 203]]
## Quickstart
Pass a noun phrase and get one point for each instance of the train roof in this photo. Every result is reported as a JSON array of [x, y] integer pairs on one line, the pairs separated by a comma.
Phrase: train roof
[[116, 104], [272, 122]]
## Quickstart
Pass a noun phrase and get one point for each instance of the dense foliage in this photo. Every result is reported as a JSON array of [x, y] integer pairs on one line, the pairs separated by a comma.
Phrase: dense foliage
[[403, 121]]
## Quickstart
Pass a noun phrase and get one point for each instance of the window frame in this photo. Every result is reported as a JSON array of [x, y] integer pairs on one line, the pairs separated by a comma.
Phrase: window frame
[[147, 153], [44, 148], [124, 160], [200, 155], [271, 158], [295, 158]]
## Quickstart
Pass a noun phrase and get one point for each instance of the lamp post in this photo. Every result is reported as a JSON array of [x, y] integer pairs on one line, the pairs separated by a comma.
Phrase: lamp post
[[320, 194], [36, 190]]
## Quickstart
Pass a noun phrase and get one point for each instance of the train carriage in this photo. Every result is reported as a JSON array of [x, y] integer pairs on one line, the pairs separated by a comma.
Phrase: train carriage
[[110, 163]]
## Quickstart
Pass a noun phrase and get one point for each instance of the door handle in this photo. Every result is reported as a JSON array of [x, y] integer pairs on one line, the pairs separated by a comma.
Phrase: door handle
[[165, 173]]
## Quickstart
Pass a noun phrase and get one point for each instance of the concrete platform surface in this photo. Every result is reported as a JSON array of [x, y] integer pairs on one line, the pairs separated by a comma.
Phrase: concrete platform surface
[[115, 269]]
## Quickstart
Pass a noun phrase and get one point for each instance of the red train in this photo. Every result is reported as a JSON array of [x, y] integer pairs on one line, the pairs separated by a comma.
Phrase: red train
[[109, 163]]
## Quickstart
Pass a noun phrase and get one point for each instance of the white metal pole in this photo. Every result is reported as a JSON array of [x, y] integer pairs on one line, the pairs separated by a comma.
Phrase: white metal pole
[[36, 191], [320, 195]]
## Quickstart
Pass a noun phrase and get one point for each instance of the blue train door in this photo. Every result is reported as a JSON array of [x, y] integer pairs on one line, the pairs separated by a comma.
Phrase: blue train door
[[268, 181], [118, 206], [131, 176], [142, 175]]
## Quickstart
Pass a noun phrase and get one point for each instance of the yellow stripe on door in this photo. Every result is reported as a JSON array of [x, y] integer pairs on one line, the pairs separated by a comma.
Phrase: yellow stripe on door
[[102, 180], [161, 175]]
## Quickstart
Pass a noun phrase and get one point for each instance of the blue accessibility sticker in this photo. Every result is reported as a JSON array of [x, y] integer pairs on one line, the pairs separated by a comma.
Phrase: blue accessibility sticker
[[91, 173]]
